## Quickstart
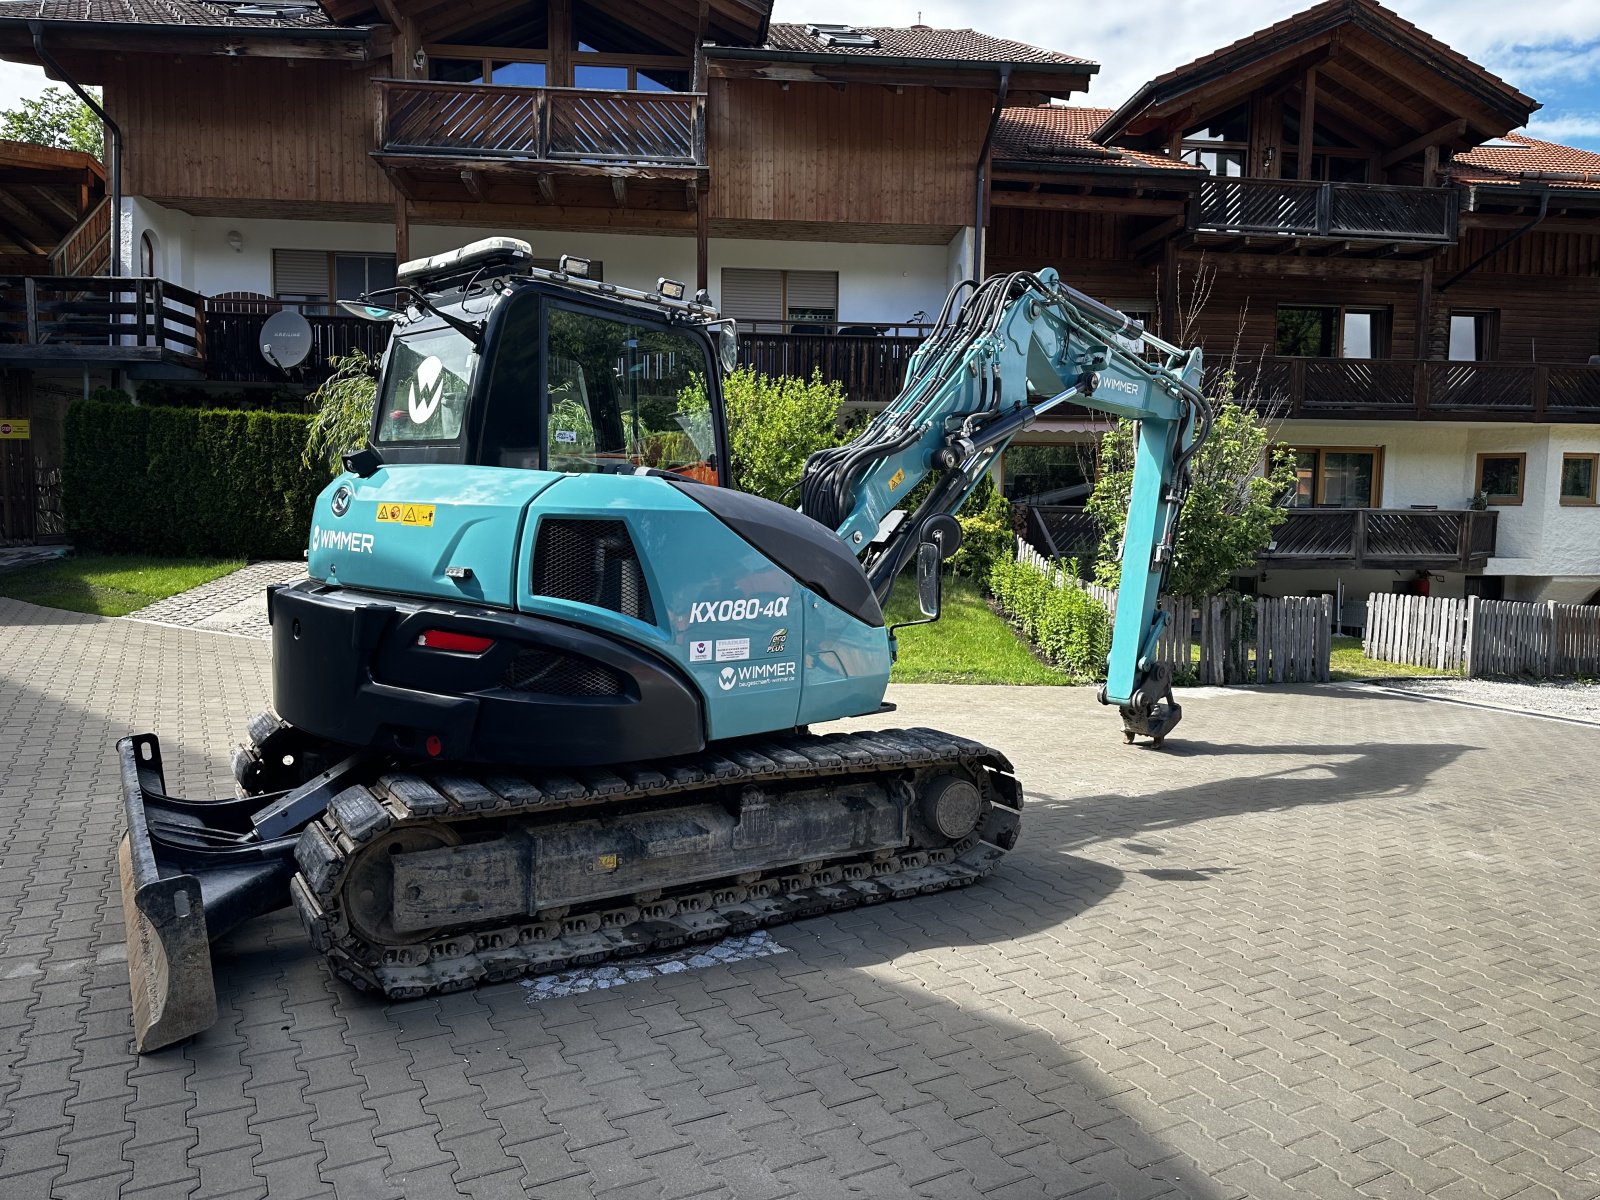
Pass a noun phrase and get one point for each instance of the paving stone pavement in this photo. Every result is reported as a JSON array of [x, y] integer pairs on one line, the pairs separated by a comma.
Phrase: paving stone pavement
[[1330, 942], [235, 603]]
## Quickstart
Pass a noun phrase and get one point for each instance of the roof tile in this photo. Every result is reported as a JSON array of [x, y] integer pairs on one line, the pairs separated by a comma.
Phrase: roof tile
[[1527, 160], [920, 41], [1060, 133]]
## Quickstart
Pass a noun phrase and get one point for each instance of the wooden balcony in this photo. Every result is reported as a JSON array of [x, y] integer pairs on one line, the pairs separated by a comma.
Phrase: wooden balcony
[[233, 345], [1290, 208], [869, 363], [1330, 538], [1401, 389], [1383, 538], [483, 142], [149, 327]]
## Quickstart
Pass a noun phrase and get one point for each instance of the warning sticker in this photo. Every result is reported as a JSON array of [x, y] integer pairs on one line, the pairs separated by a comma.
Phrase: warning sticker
[[405, 514]]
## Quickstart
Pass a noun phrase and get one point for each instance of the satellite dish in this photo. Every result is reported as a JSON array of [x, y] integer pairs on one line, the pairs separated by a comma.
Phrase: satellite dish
[[286, 339]]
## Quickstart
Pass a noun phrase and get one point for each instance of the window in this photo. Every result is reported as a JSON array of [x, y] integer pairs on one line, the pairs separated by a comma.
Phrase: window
[[1471, 336], [313, 277], [425, 388], [1337, 477], [147, 254], [1500, 477], [783, 301], [1221, 146], [623, 396], [517, 74], [1314, 332], [1578, 472]]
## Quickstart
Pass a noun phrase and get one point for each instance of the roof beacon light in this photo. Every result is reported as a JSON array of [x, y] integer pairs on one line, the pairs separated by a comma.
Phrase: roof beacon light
[[571, 264], [670, 289]]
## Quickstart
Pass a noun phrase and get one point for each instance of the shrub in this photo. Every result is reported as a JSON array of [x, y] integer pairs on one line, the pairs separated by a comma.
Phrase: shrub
[[774, 424], [343, 404], [1068, 626], [986, 535], [181, 481]]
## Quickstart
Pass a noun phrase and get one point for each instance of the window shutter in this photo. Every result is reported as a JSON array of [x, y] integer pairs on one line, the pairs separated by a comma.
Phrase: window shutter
[[300, 273], [813, 296], [749, 295]]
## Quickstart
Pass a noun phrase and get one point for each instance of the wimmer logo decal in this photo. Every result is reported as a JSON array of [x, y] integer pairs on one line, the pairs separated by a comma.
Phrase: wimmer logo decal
[[340, 539], [430, 384], [757, 675]]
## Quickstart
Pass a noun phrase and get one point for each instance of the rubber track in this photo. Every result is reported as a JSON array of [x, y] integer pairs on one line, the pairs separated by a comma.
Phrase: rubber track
[[620, 928]]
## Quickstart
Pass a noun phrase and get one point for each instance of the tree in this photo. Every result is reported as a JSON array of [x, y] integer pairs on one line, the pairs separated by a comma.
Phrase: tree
[[774, 424], [344, 405], [55, 117], [1232, 505]]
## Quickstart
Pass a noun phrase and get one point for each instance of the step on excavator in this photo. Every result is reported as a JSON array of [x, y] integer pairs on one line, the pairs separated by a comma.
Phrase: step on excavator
[[549, 695]]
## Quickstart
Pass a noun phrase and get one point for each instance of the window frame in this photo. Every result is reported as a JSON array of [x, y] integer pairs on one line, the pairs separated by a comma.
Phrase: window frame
[[1320, 471], [1487, 332], [1591, 499], [1506, 500], [1382, 330], [487, 56]]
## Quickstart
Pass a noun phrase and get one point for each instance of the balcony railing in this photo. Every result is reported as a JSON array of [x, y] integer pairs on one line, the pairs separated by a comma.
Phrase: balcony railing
[[1362, 211], [68, 320], [1398, 389], [1402, 539], [233, 345], [555, 125], [869, 365], [1345, 538]]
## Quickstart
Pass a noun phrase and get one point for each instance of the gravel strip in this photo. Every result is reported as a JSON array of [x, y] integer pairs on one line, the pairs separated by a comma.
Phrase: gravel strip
[[1556, 698]]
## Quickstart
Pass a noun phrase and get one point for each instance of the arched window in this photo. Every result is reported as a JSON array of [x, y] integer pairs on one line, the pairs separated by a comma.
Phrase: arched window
[[147, 254]]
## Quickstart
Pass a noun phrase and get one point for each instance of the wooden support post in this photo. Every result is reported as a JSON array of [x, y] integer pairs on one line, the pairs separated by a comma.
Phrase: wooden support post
[[1308, 121], [702, 255], [402, 230], [1169, 292], [558, 28], [1430, 166], [1425, 311]]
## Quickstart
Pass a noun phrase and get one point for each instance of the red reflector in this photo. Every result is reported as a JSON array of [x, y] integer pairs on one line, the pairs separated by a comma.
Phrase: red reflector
[[444, 639], [435, 746]]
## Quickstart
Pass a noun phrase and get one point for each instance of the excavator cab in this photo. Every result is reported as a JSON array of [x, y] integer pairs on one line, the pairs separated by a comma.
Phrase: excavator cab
[[495, 362]]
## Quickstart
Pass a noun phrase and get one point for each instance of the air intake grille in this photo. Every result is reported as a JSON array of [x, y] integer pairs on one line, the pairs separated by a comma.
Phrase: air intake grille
[[556, 674], [592, 562]]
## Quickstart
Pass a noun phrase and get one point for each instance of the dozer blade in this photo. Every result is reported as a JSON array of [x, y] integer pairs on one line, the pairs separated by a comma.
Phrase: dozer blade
[[169, 954], [191, 871]]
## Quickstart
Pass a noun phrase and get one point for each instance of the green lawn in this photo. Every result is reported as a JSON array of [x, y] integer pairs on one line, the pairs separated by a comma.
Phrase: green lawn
[[110, 585], [1347, 662], [967, 644]]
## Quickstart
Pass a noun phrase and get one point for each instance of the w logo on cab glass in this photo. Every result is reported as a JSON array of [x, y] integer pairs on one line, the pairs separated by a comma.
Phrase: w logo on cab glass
[[427, 389]]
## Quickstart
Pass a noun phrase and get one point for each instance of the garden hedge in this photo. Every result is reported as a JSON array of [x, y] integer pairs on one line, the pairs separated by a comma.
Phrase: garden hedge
[[182, 481]]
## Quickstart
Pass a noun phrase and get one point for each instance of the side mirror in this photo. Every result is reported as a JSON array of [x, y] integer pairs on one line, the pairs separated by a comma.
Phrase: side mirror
[[363, 462], [930, 579]]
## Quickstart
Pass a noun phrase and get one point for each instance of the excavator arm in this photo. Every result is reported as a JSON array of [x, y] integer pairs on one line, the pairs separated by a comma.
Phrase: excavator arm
[[1005, 353]]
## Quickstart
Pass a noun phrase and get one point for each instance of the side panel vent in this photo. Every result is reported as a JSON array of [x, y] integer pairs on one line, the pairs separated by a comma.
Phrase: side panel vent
[[591, 562], [555, 674]]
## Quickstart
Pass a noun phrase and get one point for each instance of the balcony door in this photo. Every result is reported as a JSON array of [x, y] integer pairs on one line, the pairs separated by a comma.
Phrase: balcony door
[[1337, 477], [1327, 331]]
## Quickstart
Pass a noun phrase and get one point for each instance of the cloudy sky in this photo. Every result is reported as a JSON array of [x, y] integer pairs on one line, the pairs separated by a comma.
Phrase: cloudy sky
[[1548, 48]]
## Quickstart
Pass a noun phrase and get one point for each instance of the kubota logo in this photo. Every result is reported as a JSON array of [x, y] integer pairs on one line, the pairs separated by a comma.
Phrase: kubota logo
[[429, 382]]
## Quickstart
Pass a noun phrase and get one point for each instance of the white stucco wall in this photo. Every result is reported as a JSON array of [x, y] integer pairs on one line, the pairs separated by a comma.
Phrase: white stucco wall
[[877, 282], [1555, 549]]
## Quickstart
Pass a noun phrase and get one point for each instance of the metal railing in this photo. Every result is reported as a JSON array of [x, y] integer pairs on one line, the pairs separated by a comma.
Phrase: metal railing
[[100, 318], [562, 125], [1330, 210], [1404, 388]]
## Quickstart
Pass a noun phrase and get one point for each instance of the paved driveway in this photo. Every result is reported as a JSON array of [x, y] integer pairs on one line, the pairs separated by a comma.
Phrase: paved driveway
[[1331, 942]]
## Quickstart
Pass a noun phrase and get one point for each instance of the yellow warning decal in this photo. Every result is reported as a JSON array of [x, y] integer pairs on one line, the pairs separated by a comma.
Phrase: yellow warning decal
[[405, 514], [896, 480], [604, 864]]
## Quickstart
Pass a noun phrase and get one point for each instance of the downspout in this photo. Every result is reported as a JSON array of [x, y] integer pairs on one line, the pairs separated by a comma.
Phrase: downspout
[[114, 167], [981, 177], [1544, 209]]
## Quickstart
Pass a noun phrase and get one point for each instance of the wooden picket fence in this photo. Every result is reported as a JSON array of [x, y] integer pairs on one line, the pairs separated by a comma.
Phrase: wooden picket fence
[[1260, 640], [1484, 637]]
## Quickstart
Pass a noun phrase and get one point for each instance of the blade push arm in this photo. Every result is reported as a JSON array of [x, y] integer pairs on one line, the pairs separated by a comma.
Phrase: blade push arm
[[1019, 346]]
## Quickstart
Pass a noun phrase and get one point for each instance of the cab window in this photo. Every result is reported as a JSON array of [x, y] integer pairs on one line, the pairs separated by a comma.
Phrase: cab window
[[425, 387], [622, 396]]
